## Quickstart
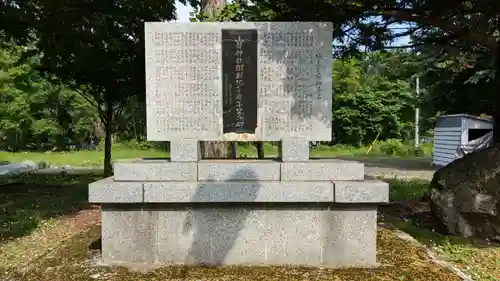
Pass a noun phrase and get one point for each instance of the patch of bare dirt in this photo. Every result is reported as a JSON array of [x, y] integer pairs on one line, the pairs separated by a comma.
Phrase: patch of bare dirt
[[415, 210], [20, 253]]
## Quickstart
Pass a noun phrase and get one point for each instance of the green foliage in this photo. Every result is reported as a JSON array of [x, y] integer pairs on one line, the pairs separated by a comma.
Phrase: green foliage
[[373, 92], [371, 99], [457, 40], [37, 114], [470, 25], [94, 47], [393, 147], [406, 189], [455, 88], [426, 149]]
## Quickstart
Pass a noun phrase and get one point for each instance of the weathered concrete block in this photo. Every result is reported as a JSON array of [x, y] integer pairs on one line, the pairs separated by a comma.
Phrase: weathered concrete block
[[185, 150], [366, 191], [128, 235], [352, 236], [228, 170], [234, 192], [293, 150], [109, 191], [241, 235], [154, 170], [322, 170]]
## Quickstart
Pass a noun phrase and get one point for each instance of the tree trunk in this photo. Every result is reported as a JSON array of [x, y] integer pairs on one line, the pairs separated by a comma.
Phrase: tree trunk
[[215, 149], [108, 130], [260, 149], [210, 8], [218, 149], [496, 98]]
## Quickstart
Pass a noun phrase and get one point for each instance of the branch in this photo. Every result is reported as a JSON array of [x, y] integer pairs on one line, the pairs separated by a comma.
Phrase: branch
[[412, 16], [129, 118], [92, 102], [405, 46], [408, 32]]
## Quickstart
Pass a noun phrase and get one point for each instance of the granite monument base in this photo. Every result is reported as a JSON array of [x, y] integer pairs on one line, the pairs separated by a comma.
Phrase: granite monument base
[[246, 212], [326, 235]]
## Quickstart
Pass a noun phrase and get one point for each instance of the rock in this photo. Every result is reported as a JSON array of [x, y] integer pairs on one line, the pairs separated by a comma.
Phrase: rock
[[29, 164], [43, 165], [464, 196]]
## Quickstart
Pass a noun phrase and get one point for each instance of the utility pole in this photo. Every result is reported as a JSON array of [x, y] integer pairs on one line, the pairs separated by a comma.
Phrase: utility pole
[[417, 114]]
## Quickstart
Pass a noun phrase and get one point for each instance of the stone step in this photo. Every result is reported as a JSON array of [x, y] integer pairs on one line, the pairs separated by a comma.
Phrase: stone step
[[322, 169], [234, 170], [237, 170], [140, 170], [365, 191]]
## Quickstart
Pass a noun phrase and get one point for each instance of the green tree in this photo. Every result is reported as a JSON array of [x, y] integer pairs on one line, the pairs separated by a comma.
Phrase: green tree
[[37, 114], [466, 28], [95, 47], [368, 102], [458, 82]]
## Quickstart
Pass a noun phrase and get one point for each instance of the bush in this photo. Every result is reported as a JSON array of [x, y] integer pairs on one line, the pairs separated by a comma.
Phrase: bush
[[391, 147], [132, 144], [426, 149], [395, 147]]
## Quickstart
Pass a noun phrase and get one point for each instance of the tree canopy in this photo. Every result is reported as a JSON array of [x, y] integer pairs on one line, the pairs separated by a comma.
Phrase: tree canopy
[[456, 39], [94, 47], [86, 60]]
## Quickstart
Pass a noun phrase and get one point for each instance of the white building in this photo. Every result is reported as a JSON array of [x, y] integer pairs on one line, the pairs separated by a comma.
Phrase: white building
[[451, 131]]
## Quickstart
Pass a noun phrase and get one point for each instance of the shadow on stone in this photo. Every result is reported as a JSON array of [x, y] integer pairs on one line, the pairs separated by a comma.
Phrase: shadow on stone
[[216, 229]]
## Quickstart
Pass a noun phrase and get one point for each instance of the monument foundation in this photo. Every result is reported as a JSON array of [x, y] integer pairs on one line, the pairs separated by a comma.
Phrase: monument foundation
[[291, 210]]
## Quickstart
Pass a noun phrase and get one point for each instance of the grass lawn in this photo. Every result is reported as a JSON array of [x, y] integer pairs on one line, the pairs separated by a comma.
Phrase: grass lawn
[[92, 158], [85, 158], [30, 211], [33, 207], [478, 259], [30, 200]]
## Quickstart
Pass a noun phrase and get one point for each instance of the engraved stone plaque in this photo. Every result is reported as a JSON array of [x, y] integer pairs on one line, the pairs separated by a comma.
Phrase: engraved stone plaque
[[239, 81], [185, 92]]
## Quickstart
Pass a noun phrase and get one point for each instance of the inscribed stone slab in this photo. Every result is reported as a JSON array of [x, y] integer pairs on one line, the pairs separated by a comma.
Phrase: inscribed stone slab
[[184, 82]]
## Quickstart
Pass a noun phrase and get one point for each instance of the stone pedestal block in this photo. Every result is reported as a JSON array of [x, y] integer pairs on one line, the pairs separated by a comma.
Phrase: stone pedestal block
[[294, 150], [328, 235], [322, 170], [250, 212], [185, 150], [234, 170], [138, 170]]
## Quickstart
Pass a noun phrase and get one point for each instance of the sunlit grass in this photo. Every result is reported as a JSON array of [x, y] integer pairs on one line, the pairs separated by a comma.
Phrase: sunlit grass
[[93, 158]]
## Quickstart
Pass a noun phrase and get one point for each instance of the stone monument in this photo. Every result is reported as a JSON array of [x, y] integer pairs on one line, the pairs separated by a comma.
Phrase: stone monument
[[244, 81]]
